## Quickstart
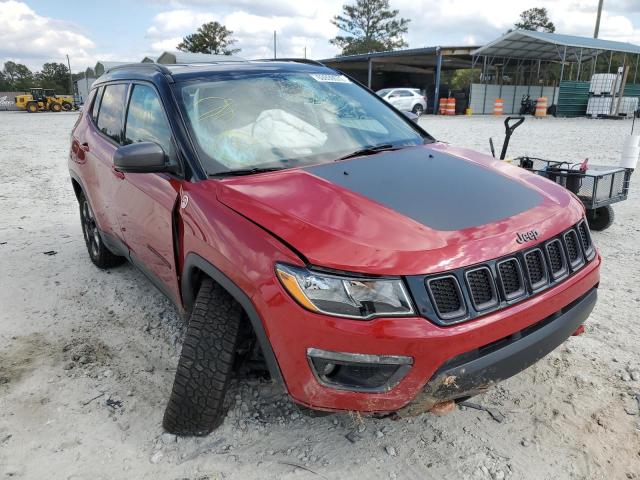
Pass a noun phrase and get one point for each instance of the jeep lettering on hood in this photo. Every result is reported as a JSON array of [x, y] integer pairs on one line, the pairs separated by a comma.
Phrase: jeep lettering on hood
[[383, 213]]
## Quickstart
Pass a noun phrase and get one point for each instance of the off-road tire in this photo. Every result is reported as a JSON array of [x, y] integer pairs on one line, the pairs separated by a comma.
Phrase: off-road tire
[[99, 253], [55, 107], [601, 218], [66, 106], [418, 109], [32, 107], [197, 402]]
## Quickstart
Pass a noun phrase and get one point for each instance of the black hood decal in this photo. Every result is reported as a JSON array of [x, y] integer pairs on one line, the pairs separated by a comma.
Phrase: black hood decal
[[436, 189]]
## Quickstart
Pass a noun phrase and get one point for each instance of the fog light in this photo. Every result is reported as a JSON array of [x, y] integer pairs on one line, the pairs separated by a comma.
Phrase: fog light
[[356, 371]]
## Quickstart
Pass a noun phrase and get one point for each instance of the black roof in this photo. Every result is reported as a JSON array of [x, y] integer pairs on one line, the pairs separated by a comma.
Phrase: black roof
[[182, 72]]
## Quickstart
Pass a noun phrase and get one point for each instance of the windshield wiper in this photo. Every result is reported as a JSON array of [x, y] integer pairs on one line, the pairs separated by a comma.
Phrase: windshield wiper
[[245, 171], [370, 150]]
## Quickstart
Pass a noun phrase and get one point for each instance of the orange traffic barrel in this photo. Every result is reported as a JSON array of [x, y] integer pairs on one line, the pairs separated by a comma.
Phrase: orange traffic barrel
[[442, 109], [541, 107], [498, 106], [451, 106]]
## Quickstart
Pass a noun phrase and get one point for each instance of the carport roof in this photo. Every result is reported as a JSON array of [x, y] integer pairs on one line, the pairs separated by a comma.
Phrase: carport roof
[[411, 59], [526, 44]]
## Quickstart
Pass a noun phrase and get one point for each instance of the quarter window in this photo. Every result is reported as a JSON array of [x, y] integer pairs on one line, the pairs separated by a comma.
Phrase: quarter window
[[96, 104], [111, 111], [147, 121]]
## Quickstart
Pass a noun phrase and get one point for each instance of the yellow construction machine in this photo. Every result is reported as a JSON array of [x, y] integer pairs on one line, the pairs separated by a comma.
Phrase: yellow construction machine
[[44, 99]]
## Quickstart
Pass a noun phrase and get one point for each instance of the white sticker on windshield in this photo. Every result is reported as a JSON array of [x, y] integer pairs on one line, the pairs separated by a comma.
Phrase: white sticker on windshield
[[328, 77]]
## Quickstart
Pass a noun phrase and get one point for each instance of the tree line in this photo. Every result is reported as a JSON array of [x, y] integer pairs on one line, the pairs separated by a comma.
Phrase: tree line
[[16, 77], [366, 26]]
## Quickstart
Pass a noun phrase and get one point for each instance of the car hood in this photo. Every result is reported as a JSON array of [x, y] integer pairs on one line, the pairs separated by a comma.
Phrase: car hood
[[417, 210]]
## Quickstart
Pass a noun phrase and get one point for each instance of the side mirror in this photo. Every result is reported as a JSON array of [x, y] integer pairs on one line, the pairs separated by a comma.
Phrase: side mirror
[[142, 157], [395, 95], [411, 116]]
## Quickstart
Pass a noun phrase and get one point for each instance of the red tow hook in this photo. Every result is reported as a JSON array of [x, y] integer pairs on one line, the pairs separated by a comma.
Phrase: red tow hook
[[579, 331]]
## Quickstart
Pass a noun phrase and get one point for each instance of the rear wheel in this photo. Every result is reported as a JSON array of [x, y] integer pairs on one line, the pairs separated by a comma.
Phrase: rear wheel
[[100, 255], [66, 106], [418, 109], [196, 405], [32, 107], [55, 107], [601, 218]]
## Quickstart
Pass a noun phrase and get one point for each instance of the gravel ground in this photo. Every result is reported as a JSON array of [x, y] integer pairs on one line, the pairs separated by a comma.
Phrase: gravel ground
[[87, 357]]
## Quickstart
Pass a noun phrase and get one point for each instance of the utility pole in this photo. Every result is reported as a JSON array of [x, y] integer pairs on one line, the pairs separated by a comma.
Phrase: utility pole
[[597, 30], [305, 52], [70, 77], [274, 45]]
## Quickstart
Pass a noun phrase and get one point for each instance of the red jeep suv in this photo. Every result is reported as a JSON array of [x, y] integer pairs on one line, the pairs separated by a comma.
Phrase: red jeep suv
[[292, 214]]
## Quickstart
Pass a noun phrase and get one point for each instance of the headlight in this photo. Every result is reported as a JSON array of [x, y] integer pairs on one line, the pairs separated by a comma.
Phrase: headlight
[[345, 296]]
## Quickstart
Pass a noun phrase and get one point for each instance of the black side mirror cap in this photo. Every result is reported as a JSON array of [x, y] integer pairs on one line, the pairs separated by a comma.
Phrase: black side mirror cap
[[141, 157], [411, 116]]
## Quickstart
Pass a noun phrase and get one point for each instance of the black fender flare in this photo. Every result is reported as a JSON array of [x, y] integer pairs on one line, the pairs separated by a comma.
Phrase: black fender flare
[[194, 262], [75, 177]]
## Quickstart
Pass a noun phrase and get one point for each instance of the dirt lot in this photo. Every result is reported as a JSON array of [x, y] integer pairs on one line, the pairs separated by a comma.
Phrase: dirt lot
[[87, 357]]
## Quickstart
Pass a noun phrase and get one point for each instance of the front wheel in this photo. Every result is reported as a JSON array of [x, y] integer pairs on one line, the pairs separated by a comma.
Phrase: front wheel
[[601, 218], [55, 107], [418, 109], [100, 255], [66, 106], [32, 107], [197, 402]]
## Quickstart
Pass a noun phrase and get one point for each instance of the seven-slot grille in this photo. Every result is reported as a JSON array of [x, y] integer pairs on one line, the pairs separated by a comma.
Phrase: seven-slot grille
[[466, 293]]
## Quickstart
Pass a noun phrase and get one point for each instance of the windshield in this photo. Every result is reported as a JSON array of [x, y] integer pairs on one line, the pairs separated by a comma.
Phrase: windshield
[[282, 120]]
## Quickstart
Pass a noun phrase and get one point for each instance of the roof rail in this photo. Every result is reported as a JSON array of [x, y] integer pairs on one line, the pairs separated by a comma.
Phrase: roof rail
[[292, 59], [145, 66]]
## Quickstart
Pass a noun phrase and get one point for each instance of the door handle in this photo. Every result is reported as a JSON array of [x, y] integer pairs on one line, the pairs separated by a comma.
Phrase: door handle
[[118, 174]]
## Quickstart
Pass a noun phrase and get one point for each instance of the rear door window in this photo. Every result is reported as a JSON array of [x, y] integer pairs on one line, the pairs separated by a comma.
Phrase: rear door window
[[147, 121], [111, 113]]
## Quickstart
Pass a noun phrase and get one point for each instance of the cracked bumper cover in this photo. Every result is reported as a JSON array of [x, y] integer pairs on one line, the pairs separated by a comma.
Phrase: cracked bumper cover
[[461, 378]]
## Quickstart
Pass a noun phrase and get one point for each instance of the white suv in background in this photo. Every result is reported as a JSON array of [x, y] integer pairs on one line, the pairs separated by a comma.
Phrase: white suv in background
[[405, 99]]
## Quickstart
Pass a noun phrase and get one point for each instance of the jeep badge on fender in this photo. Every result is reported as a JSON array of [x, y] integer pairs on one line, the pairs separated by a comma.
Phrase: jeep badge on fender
[[527, 236]]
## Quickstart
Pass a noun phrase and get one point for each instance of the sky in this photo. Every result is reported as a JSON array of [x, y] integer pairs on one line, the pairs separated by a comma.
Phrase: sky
[[38, 31]]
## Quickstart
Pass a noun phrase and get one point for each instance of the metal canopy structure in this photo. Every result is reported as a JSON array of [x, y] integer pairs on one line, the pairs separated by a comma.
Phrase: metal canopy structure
[[428, 61], [538, 60], [529, 45]]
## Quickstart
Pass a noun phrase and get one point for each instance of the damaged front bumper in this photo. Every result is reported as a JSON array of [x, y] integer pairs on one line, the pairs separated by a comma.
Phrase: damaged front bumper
[[474, 372]]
